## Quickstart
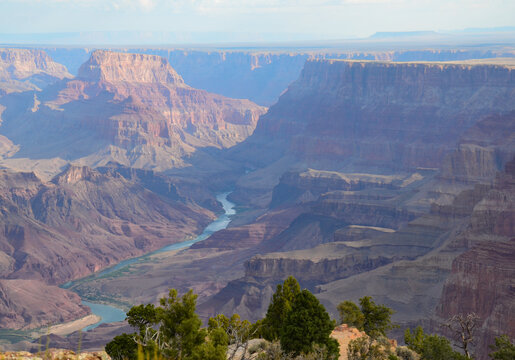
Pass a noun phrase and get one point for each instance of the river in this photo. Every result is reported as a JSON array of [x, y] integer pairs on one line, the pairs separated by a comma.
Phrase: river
[[112, 314]]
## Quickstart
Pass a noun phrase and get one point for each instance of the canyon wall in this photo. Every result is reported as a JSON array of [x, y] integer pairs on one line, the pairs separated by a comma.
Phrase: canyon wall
[[481, 279], [78, 223], [262, 75], [390, 115]]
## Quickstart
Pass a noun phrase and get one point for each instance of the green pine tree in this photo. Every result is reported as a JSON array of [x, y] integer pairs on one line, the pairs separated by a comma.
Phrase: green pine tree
[[279, 307], [308, 324]]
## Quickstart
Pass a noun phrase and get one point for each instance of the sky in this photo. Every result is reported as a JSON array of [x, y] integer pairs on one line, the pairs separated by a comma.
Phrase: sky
[[285, 19]]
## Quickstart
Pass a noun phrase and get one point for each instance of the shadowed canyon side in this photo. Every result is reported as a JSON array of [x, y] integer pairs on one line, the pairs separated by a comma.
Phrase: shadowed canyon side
[[372, 117], [130, 108], [390, 115]]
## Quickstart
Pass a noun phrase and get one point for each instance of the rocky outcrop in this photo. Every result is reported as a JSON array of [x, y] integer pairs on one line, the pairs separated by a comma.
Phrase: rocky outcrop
[[115, 67], [304, 186], [54, 354], [28, 69], [130, 108], [321, 264]]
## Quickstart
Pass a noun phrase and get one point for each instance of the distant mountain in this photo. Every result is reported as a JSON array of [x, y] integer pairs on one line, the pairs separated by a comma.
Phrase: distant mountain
[[24, 69], [402, 34]]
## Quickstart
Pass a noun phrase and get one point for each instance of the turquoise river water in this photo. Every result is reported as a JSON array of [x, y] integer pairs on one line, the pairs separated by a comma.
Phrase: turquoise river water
[[109, 313]]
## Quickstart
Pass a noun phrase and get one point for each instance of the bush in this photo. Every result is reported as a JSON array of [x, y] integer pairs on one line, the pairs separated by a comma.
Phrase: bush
[[431, 347], [503, 349], [122, 347], [172, 330], [374, 320]]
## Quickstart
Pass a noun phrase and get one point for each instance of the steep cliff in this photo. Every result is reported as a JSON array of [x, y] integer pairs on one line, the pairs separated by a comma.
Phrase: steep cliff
[[481, 279], [482, 150], [130, 108], [389, 115]]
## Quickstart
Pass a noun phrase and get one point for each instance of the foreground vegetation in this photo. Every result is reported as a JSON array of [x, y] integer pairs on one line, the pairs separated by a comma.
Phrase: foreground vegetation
[[296, 327]]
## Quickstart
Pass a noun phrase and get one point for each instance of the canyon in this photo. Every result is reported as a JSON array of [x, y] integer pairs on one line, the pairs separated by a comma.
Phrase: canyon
[[366, 177]]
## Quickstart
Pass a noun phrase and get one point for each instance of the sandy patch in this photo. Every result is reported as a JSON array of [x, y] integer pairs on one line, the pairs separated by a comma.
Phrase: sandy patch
[[69, 327]]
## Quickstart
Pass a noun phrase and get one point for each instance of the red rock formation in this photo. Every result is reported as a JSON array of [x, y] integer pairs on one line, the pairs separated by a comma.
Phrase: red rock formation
[[136, 103]]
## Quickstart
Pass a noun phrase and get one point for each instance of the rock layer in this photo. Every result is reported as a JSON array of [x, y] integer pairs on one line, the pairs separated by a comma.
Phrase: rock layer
[[130, 108], [389, 115], [261, 76], [481, 279]]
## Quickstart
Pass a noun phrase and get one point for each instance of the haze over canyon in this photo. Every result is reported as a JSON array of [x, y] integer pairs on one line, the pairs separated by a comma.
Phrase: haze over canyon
[[384, 170]]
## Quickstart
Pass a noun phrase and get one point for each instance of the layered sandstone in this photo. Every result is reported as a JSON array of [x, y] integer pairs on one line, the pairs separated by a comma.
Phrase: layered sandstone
[[120, 67], [130, 108], [482, 150]]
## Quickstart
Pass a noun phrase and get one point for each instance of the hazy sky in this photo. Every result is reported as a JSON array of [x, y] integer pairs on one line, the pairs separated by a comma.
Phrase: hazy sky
[[319, 18]]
